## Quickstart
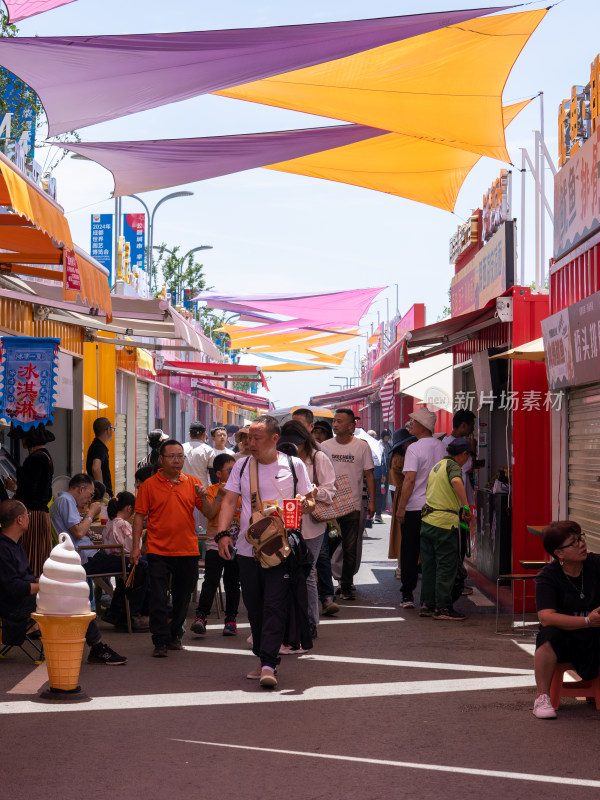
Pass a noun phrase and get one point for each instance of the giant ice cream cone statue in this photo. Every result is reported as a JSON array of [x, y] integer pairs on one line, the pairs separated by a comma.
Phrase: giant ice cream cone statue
[[63, 614]]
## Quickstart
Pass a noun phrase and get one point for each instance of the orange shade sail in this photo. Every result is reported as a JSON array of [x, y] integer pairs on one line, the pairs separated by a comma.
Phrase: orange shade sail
[[417, 169], [445, 86]]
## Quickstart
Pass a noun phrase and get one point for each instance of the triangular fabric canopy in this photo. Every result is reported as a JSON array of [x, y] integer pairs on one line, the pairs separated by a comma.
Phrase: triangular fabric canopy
[[22, 9], [84, 80], [444, 85], [417, 169], [157, 164], [334, 308]]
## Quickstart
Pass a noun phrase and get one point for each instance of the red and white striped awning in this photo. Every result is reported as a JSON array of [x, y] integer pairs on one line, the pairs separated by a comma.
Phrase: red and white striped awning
[[386, 395]]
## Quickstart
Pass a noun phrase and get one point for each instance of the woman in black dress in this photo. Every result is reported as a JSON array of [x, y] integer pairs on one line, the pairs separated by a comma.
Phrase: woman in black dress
[[34, 490], [567, 595]]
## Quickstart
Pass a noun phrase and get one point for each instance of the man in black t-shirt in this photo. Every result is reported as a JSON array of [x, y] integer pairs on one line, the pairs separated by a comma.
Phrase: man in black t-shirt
[[97, 463]]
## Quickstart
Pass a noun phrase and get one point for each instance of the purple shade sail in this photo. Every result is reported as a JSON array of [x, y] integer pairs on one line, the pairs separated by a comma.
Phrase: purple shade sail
[[84, 80], [334, 308], [144, 166], [22, 9]]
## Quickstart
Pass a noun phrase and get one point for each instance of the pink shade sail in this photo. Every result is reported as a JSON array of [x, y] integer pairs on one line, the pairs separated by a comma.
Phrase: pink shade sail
[[143, 166], [22, 9], [84, 80], [335, 308]]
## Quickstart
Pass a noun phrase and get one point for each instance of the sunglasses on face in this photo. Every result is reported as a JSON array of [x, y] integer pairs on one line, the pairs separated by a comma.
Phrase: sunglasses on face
[[574, 543]]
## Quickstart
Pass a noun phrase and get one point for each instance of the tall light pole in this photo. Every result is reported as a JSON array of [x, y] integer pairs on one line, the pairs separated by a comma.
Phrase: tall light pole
[[171, 196], [182, 260]]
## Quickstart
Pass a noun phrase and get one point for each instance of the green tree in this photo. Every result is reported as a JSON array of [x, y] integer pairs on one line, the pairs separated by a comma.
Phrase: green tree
[[24, 104], [446, 310], [177, 276]]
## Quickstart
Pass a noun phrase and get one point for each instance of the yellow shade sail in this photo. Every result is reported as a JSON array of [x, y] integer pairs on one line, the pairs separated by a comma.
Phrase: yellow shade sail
[[297, 346], [417, 169], [335, 359], [445, 85]]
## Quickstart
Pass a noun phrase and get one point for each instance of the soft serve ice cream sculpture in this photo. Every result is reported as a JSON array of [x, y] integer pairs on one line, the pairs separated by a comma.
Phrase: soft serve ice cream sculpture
[[63, 614], [63, 585]]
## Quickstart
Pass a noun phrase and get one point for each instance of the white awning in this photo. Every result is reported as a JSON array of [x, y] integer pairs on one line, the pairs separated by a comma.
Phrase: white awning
[[133, 317]]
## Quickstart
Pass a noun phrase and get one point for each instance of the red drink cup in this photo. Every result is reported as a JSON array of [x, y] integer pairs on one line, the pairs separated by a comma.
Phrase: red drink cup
[[292, 513]]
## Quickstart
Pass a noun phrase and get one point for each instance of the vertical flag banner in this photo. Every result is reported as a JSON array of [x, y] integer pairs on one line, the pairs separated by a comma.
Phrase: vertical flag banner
[[134, 230], [386, 395], [28, 367], [102, 240], [72, 278]]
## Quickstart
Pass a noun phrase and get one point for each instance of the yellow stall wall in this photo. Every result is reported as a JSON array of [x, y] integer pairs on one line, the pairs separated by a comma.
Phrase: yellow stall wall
[[106, 371]]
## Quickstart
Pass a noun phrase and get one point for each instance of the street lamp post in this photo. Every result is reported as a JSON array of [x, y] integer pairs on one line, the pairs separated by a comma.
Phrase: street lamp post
[[171, 196], [182, 260]]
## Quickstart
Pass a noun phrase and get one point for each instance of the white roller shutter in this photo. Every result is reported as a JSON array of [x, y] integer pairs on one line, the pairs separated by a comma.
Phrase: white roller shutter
[[120, 453], [584, 461], [141, 421]]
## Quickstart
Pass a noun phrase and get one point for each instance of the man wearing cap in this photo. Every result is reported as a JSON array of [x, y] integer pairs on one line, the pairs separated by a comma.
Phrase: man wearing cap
[[420, 459], [440, 544]]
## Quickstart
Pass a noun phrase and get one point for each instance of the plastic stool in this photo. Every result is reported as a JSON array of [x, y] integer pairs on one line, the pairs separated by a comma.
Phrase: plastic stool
[[588, 689]]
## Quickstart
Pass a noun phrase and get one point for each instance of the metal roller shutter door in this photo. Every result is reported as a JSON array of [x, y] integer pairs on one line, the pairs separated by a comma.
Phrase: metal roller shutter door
[[120, 452], [584, 462], [141, 421]]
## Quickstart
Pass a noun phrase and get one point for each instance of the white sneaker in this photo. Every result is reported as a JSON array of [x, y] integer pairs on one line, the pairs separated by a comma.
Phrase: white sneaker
[[543, 708], [397, 573]]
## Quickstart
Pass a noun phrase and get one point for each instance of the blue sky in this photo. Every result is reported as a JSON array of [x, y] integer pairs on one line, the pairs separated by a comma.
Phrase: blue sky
[[276, 232]]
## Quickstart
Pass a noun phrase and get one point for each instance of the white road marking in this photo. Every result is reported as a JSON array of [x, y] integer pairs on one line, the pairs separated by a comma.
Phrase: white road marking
[[378, 662], [291, 695], [479, 598], [331, 621], [486, 773], [374, 608], [528, 647], [370, 620], [31, 683]]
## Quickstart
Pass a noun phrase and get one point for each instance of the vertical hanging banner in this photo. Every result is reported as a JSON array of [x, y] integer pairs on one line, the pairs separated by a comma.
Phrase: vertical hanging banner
[[102, 240], [134, 231], [72, 278], [27, 380]]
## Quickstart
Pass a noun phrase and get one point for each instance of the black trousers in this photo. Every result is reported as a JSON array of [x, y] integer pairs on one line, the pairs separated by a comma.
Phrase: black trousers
[[214, 567], [266, 594], [350, 529], [410, 549], [183, 571]]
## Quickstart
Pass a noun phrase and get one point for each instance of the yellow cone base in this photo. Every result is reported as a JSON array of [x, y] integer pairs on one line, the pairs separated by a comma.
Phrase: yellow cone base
[[63, 638]]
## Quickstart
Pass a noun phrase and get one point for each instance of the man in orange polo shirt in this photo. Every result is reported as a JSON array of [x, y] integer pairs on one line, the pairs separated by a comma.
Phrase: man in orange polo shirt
[[168, 500]]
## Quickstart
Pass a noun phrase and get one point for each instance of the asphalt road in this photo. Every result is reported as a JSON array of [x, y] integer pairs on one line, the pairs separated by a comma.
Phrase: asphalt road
[[386, 705]]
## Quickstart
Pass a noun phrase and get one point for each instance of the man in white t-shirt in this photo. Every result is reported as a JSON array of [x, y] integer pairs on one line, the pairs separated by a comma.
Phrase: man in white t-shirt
[[421, 457], [352, 457], [266, 592], [219, 436], [198, 455]]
